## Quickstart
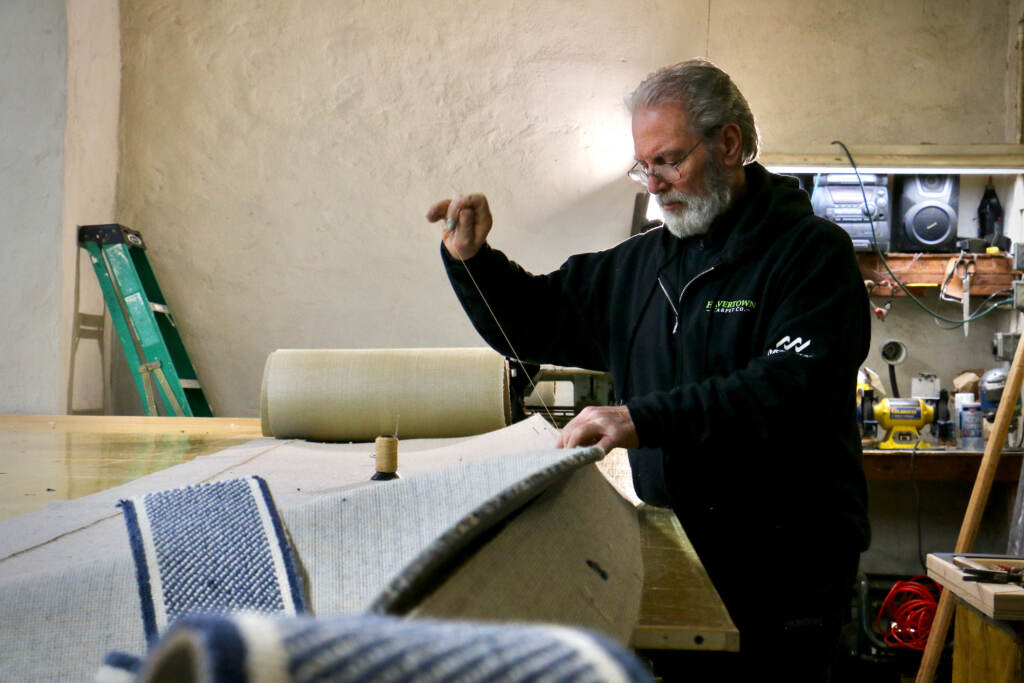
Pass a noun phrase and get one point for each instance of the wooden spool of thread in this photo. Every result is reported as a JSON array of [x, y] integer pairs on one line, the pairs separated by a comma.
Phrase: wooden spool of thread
[[387, 458]]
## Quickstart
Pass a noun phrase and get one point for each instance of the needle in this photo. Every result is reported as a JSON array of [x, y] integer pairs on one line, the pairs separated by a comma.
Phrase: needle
[[967, 300]]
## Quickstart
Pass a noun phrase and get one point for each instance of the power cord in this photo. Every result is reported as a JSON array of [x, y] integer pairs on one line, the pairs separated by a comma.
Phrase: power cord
[[910, 609], [917, 507]]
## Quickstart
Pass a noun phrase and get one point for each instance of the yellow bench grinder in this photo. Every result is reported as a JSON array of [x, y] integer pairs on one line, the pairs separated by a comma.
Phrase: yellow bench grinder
[[903, 419]]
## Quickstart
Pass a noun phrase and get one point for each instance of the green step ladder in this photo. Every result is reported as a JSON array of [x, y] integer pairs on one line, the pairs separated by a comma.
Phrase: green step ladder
[[154, 349]]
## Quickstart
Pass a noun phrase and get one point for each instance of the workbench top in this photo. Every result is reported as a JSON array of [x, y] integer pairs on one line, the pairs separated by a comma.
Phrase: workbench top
[[44, 458], [936, 465]]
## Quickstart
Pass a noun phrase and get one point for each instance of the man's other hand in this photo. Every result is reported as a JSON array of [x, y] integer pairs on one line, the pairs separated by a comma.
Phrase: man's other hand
[[605, 426], [472, 220]]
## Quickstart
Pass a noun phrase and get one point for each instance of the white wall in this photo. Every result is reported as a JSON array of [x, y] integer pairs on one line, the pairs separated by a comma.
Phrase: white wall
[[90, 186], [33, 49]]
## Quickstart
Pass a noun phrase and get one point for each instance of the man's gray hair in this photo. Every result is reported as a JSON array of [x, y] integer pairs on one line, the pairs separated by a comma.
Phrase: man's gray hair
[[707, 94]]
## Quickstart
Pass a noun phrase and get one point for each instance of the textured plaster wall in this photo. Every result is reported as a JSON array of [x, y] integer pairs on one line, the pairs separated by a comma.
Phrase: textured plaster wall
[[279, 161], [33, 48], [278, 158], [872, 72], [90, 186]]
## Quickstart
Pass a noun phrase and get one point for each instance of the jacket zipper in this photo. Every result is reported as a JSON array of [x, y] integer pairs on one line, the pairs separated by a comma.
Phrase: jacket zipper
[[675, 308]]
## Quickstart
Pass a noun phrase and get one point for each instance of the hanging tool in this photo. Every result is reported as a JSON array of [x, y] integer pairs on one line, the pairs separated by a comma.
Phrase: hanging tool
[[969, 269]]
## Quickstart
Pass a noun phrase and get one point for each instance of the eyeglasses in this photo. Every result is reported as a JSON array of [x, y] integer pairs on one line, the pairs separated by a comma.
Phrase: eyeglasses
[[667, 173]]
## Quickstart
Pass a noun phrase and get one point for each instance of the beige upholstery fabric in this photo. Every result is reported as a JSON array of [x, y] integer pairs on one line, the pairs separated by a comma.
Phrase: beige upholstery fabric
[[571, 557]]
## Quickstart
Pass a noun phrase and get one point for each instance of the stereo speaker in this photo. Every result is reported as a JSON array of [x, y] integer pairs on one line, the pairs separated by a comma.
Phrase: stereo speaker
[[928, 214]]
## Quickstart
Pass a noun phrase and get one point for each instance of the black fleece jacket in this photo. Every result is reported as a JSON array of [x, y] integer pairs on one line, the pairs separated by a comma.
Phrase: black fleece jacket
[[736, 353]]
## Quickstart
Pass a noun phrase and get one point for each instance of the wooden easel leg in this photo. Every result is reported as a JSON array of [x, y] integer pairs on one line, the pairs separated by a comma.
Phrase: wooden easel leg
[[975, 508]]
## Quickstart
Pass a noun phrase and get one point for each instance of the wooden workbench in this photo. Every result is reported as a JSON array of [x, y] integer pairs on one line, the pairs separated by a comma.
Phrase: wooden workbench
[[988, 644], [47, 458], [935, 465]]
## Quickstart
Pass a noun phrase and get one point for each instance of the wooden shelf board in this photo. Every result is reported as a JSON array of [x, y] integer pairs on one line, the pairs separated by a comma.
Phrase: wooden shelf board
[[935, 465], [1008, 157], [993, 273]]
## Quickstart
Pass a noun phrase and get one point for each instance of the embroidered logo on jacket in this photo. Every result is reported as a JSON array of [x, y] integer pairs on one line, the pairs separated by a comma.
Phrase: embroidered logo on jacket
[[788, 344], [730, 305]]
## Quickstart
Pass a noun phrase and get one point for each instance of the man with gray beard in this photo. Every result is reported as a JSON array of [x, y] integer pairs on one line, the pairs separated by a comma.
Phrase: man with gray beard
[[720, 328], [700, 210]]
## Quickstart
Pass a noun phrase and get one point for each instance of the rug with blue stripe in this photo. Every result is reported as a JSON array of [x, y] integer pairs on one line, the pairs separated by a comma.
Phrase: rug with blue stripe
[[216, 547], [374, 649]]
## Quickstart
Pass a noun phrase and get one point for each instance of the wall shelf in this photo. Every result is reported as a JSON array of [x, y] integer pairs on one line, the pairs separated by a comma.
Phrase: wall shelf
[[962, 159], [922, 272]]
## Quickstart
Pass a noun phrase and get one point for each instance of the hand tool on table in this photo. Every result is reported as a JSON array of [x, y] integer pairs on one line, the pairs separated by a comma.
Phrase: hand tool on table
[[983, 573]]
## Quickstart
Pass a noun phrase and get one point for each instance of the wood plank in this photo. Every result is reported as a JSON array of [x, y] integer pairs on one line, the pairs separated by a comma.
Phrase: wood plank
[[680, 608], [992, 273], [46, 458], [1009, 157], [935, 465], [235, 426], [996, 600], [985, 650]]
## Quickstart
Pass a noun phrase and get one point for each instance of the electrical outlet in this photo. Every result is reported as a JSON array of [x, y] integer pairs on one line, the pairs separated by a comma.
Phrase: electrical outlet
[[1004, 345], [1018, 295], [1018, 256]]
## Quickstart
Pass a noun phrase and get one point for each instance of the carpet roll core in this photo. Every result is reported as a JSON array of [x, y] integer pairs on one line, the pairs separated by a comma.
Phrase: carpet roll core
[[359, 394]]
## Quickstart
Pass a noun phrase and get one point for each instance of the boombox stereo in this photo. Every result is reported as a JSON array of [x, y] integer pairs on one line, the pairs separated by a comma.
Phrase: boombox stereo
[[839, 197], [928, 214]]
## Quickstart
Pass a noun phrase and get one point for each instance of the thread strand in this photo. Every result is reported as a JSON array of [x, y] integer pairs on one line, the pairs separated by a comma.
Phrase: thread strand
[[508, 341]]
